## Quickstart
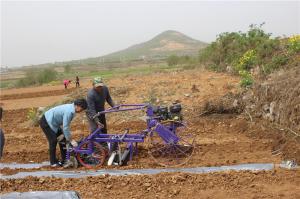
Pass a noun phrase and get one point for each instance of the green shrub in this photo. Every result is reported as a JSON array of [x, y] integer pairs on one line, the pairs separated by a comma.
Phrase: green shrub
[[215, 67], [67, 68], [173, 60], [246, 62], [32, 115], [241, 50], [275, 63], [294, 44], [37, 77], [185, 60], [246, 78]]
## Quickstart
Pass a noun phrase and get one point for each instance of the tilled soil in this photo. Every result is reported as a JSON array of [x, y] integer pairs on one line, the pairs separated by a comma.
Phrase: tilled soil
[[264, 184], [220, 139], [37, 94]]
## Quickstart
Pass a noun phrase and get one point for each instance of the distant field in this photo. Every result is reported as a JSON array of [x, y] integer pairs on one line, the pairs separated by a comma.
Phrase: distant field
[[9, 80], [12, 75]]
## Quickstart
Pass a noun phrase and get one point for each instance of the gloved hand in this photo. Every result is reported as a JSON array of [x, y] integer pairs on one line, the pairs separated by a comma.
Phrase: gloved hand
[[100, 125], [74, 143], [60, 137]]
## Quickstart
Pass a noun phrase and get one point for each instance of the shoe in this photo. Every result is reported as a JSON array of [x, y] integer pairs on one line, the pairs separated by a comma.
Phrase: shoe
[[56, 165], [60, 163]]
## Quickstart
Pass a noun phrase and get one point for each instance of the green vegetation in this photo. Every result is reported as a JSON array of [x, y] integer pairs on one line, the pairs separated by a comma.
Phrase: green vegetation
[[244, 52], [173, 60], [144, 69], [37, 77], [32, 116], [294, 44], [50, 76], [67, 68], [7, 83], [246, 78], [185, 60]]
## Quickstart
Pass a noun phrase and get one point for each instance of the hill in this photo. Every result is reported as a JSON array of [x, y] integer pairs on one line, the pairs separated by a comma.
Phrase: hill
[[161, 46]]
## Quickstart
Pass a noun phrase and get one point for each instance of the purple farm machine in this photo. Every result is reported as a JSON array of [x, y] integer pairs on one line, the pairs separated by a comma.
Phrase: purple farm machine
[[169, 142]]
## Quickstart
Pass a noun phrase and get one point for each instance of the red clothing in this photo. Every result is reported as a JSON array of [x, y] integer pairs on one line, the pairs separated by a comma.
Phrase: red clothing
[[66, 82]]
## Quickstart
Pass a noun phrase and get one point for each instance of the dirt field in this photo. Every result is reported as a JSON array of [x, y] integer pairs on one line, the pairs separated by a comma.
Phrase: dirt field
[[274, 184], [221, 139]]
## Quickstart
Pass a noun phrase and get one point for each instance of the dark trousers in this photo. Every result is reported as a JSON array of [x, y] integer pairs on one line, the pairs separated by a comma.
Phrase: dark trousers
[[52, 140], [93, 125], [2, 141], [77, 84]]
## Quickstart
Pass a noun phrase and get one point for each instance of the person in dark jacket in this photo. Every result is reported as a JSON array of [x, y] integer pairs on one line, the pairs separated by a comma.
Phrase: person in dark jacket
[[2, 139], [77, 82], [96, 98]]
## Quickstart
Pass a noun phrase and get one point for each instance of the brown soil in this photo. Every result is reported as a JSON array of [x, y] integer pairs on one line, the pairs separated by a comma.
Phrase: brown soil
[[221, 139], [36, 94], [271, 184]]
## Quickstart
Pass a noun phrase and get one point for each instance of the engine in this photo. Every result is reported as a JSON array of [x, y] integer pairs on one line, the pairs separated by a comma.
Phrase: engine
[[172, 112]]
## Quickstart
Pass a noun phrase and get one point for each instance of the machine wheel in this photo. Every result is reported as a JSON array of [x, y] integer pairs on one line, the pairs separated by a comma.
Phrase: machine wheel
[[172, 154], [97, 158]]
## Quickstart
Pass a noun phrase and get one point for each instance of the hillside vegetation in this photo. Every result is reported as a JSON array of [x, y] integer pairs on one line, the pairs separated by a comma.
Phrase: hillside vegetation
[[254, 53]]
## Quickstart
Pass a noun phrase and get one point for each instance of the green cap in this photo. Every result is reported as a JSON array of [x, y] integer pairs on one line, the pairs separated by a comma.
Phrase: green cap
[[98, 82]]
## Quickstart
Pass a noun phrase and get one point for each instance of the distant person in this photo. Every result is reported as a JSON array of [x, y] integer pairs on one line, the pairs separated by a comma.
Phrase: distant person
[[66, 83], [51, 123], [96, 98], [2, 139], [77, 82]]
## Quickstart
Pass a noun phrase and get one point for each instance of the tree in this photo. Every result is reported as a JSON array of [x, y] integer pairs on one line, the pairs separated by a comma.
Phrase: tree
[[67, 68], [173, 60]]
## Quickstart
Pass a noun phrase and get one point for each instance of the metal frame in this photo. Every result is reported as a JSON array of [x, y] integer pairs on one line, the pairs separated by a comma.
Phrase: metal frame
[[166, 132]]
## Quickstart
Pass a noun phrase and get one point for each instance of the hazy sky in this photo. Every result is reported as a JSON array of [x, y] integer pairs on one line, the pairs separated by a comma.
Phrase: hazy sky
[[40, 32]]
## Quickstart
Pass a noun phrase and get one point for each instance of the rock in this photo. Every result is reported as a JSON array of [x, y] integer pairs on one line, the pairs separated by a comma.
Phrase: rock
[[108, 186], [41, 180], [147, 184], [176, 191], [158, 188], [195, 89], [235, 103], [41, 109], [266, 108], [272, 107], [187, 95], [229, 69]]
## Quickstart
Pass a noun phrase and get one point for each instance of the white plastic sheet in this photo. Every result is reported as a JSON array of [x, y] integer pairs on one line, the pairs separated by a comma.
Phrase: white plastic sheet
[[41, 195]]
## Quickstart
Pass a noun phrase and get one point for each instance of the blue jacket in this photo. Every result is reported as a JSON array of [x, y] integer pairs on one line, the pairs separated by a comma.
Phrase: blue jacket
[[61, 116]]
